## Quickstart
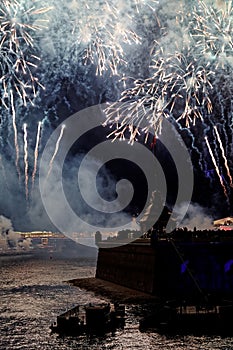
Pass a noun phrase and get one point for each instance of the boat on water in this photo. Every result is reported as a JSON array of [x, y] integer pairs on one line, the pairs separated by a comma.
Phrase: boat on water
[[202, 318], [90, 318]]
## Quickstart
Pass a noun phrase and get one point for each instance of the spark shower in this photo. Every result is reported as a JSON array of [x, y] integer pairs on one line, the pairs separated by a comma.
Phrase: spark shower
[[151, 60]]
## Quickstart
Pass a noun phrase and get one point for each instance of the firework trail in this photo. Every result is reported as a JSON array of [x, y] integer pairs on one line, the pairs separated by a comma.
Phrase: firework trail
[[15, 135], [55, 151], [216, 167], [36, 152], [25, 159], [4, 173], [223, 155]]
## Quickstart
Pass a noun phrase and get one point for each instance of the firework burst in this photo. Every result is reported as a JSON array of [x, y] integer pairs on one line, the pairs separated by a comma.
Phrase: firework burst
[[104, 29], [183, 82], [18, 52], [188, 81], [95, 32], [212, 32], [178, 84]]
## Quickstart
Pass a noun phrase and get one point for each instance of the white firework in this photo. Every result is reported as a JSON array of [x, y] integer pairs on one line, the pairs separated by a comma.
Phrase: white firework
[[93, 32], [18, 52], [179, 85], [182, 82], [212, 32], [152, 4]]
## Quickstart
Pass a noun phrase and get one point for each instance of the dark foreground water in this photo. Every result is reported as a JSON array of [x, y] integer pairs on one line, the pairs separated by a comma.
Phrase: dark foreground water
[[32, 293]]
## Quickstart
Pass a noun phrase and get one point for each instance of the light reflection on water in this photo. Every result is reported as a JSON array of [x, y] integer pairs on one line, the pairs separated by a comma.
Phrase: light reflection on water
[[32, 294]]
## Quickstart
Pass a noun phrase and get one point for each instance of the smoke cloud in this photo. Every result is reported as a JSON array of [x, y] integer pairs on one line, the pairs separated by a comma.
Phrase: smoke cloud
[[106, 189], [196, 216], [8, 238]]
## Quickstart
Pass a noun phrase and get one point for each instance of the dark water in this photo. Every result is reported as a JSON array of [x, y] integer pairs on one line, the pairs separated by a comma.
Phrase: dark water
[[32, 294]]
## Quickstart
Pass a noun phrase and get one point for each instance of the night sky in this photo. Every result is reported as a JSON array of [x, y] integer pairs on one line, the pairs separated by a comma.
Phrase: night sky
[[156, 55]]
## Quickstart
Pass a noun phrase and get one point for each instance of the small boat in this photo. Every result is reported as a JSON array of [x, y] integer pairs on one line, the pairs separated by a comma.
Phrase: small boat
[[90, 318], [204, 314], [202, 318]]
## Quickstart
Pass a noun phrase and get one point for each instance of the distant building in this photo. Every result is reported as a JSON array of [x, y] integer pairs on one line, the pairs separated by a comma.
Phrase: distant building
[[224, 224]]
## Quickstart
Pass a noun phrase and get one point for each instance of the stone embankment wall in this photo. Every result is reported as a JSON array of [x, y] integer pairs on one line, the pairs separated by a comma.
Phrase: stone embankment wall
[[131, 265], [166, 270]]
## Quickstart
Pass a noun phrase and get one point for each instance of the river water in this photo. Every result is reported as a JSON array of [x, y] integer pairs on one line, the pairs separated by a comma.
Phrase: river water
[[33, 292]]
